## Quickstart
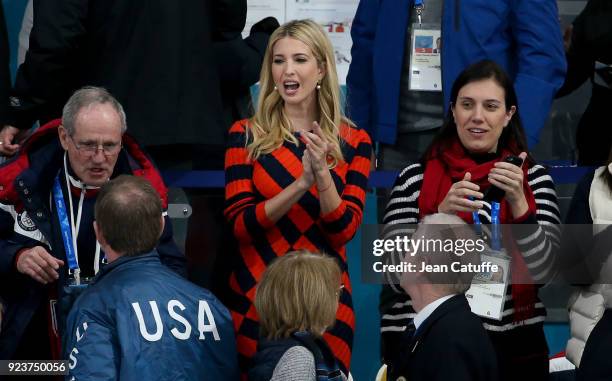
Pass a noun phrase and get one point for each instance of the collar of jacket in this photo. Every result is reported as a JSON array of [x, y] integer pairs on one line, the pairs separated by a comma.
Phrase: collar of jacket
[[41, 154], [126, 261]]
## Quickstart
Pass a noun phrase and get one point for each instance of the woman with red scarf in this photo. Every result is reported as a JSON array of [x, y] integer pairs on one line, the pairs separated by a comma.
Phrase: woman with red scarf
[[467, 157]]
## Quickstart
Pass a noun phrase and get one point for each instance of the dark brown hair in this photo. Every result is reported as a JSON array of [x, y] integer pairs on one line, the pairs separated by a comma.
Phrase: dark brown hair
[[128, 214], [512, 137]]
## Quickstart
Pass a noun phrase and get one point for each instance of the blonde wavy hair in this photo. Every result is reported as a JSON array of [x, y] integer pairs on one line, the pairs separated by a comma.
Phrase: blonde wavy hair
[[270, 126], [298, 292]]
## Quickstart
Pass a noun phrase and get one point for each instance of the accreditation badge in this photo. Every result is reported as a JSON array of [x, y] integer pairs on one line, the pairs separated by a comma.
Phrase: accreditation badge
[[425, 64], [487, 294]]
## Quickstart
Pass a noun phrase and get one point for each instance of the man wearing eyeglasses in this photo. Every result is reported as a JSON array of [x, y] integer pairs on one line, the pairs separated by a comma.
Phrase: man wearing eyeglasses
[[50, 190]]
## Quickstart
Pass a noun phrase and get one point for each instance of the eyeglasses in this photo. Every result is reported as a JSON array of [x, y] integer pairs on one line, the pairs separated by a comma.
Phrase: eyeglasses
[[90, 149]]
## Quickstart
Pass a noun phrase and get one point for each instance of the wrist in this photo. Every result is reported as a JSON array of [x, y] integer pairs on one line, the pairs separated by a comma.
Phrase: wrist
[[322, 174], [322, 187], [519, 208], [18, 255], [302, 184]]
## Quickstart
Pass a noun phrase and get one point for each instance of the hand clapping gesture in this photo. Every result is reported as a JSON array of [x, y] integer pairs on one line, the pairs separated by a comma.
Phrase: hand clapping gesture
[[317, 148]]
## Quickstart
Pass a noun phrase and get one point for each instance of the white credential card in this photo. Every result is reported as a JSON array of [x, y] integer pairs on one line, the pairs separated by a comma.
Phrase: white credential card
[[486, 296], [425, 64]]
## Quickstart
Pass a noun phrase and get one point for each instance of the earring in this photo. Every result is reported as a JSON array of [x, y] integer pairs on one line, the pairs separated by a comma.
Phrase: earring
[[275, 88], [318, 85]]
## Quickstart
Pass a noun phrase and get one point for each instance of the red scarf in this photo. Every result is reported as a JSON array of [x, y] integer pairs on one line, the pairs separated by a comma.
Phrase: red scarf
[[441, 171]]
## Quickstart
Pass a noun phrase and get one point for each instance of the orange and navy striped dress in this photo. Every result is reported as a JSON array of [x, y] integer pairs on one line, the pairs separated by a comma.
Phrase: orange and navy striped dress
[[249, 184]]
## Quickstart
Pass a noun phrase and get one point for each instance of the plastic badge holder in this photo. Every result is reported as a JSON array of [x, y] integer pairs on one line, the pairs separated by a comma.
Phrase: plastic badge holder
[[486, 295]]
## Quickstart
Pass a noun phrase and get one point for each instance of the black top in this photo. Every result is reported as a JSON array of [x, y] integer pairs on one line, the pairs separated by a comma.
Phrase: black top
[[160, 61], [5, 79]]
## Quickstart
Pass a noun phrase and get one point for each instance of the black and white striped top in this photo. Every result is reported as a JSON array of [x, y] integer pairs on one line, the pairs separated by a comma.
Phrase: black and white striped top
[[537, 245]]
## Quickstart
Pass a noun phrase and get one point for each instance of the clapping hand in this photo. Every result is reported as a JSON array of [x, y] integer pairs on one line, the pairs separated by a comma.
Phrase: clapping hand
[[317, 148]]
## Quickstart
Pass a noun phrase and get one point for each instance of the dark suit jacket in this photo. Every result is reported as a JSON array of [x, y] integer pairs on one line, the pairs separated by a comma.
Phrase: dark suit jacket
[[5, 79], [157, 57], [451, 344], [595, 363]]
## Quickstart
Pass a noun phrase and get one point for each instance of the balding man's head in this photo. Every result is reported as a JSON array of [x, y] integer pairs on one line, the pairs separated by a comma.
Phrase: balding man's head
[[444, 238], [129, 215]]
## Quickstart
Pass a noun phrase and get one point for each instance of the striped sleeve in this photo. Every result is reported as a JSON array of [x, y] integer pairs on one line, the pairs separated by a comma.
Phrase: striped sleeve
[[538, 236], [341, 224], [402, 214], [246, 216], [395, 307]]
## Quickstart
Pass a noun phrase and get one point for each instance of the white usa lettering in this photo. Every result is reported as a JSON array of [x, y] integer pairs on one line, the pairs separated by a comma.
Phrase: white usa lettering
[[182, 328]]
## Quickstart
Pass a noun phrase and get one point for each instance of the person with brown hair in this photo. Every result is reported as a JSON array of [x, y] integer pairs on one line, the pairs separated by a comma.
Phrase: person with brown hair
[[115, 329], [457, 175], [296, 301]]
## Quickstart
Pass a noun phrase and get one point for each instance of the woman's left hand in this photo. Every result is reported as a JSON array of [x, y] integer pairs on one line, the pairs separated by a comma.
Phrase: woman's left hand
[[509, 178], [317, 148]]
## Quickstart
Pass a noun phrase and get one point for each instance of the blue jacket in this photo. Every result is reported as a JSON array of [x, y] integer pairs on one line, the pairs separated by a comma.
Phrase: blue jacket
[[523, 36], [138, 320], [25, 186]]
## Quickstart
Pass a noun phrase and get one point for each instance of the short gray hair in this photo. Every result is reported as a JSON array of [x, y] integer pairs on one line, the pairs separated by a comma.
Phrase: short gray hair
[[86, 97]]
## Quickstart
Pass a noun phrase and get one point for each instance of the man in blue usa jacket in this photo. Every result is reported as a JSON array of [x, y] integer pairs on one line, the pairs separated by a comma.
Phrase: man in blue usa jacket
[[138, 320], [523, 36]]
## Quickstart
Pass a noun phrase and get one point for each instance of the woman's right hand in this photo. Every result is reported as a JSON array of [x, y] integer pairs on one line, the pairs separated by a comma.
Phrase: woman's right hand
[[457, 198], [308, 178]]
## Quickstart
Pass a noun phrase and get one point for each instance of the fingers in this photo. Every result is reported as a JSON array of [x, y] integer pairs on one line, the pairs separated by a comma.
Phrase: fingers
[[454, 204], [466, 185], [316, 128], [34, 272], [466, 193], [7, 137], [317, 150], [51, 260], [316, 136], [507, 176], [504, 183], [46, 268], [466, 188], [461, 195], [306, 159], [39, 264]]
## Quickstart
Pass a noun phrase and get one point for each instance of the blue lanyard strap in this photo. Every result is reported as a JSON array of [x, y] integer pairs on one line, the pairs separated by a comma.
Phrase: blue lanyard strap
[[495, 231], [419, 3], [60, 206]]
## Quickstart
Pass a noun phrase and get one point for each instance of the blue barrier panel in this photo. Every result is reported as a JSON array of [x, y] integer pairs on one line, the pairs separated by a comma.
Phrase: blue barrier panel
[[378, 179]]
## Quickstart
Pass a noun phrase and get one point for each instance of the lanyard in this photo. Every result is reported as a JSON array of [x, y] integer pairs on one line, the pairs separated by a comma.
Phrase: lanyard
[[60, 206], [70, 231], [419, 5], [495, 233], [476, 219]]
